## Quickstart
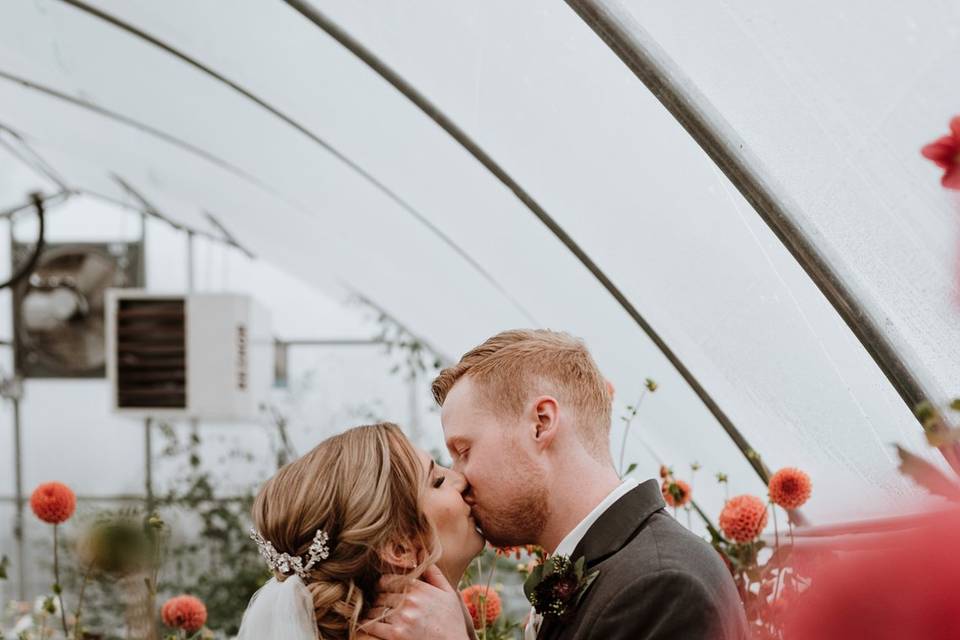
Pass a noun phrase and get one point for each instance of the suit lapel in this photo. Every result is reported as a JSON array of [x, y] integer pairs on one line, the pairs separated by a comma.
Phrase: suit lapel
[[610, 533], [620, 523]]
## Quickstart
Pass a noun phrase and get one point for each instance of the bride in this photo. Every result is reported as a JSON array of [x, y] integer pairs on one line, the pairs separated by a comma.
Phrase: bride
[[362, 506]]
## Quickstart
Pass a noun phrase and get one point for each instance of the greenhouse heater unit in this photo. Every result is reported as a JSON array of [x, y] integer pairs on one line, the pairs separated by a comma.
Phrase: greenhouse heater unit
[[203, 356]]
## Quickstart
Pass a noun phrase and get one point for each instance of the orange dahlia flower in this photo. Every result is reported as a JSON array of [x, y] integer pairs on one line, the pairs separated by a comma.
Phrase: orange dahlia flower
[[743, 518], [184, 612], [53, 502], [516, 552], [676, 493], [488, 609], [790, 488]]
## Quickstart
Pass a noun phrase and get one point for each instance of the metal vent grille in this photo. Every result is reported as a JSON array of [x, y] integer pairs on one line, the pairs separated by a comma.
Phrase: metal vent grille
[[151, 354]]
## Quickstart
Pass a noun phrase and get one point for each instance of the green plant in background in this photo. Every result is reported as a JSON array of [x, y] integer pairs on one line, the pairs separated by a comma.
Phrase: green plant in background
[[649, 386], [941, 434], [492, 590], [215, 562], [121, 552]]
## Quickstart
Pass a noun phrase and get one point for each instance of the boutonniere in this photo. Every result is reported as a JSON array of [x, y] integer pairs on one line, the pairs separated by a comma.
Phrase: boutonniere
[[557, 585]]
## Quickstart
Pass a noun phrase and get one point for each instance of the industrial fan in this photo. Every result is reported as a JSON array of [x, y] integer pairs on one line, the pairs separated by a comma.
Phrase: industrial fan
[[59, 310]]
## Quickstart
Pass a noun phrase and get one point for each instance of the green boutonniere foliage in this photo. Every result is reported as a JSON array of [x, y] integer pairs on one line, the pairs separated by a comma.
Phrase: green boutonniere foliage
[[557, 585]]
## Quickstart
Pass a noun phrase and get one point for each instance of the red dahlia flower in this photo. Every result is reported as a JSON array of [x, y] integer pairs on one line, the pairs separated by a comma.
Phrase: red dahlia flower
[[790, 488], [184, 612], [490, 606], [743, 518], [676, 493], [902, 585], [53, 502], [945, 153]]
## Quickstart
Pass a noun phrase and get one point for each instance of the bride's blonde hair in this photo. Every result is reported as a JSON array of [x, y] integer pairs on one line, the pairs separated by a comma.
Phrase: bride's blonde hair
[[363, 487]]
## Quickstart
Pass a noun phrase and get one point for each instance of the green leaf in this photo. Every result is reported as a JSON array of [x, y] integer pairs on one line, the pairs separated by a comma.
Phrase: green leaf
[[586, 585], [631, 468], [534, 579], [925, 411], [578, 568], [955, 405]]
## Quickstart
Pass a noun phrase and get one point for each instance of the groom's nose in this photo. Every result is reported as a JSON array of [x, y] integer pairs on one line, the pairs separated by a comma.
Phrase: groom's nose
[[460, 481]]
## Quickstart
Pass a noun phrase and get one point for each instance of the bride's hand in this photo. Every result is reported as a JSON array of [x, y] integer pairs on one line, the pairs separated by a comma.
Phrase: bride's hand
[[426, 609]]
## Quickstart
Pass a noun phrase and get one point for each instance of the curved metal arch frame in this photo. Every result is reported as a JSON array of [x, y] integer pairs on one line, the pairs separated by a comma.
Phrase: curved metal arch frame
[[336, 153], [656, 70], [424, 104]]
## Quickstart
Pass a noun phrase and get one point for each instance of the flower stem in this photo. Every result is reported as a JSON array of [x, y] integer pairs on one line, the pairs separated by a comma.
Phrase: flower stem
[[77, 633], [776, 539], [776, 530], [626, 429], [56, 579]]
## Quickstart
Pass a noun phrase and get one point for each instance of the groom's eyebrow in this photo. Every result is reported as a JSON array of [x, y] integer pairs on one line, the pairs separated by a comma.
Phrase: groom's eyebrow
[[430, 471]]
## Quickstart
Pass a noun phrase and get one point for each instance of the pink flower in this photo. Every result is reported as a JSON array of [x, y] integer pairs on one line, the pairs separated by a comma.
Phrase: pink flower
[[945, 153]]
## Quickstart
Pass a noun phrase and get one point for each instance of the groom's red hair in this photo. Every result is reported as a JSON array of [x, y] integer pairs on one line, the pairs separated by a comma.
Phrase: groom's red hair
[[513, 365]]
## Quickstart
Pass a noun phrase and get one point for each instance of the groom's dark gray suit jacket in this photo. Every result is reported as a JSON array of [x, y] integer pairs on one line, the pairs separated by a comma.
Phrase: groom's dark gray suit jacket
[[657, 580]]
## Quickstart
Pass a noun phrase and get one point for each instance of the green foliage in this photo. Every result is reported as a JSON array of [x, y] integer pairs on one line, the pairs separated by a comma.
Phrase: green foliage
[[414, 357], [218, 563], [4, 566]]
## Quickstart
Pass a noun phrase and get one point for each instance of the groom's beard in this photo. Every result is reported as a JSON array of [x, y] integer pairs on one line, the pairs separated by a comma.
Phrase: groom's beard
[[518, 520]]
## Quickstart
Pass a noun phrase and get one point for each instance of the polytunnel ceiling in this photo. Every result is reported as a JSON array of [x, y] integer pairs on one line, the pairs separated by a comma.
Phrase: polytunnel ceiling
[[320, 166]]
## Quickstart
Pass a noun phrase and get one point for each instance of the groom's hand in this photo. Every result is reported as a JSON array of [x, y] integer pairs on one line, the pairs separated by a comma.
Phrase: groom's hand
[[425, 609]]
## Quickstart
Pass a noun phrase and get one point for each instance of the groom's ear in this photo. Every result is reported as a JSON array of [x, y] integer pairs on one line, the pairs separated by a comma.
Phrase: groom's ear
[[546, 412]]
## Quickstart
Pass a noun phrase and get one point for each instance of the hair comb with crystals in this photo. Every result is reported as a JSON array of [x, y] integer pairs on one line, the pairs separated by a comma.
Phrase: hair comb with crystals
[[284, 563]]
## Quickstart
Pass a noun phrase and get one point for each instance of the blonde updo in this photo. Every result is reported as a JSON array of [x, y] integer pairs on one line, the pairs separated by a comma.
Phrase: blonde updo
[[363, 487]]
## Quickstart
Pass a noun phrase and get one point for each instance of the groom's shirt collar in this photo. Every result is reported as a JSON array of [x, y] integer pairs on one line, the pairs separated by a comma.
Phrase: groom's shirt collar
[[572, 539]]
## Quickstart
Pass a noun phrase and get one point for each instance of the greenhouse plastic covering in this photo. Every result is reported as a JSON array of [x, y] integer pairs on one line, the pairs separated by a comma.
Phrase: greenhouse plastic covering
[[316, 164]]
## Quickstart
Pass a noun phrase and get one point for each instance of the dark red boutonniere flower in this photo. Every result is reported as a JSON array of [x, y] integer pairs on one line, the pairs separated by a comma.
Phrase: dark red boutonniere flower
[[555, 587], [945, 153]]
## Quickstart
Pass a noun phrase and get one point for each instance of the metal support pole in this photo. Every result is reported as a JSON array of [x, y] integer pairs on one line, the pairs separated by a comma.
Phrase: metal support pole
[[148, 463], [312, 13], [413, 396], [616, 26], [20, 498], [191, 266]]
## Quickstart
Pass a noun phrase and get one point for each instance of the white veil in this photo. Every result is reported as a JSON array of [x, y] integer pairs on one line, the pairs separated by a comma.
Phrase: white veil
[[280, 611]]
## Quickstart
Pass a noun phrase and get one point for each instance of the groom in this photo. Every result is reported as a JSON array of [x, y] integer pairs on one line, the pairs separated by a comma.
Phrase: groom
[[526, 416]]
